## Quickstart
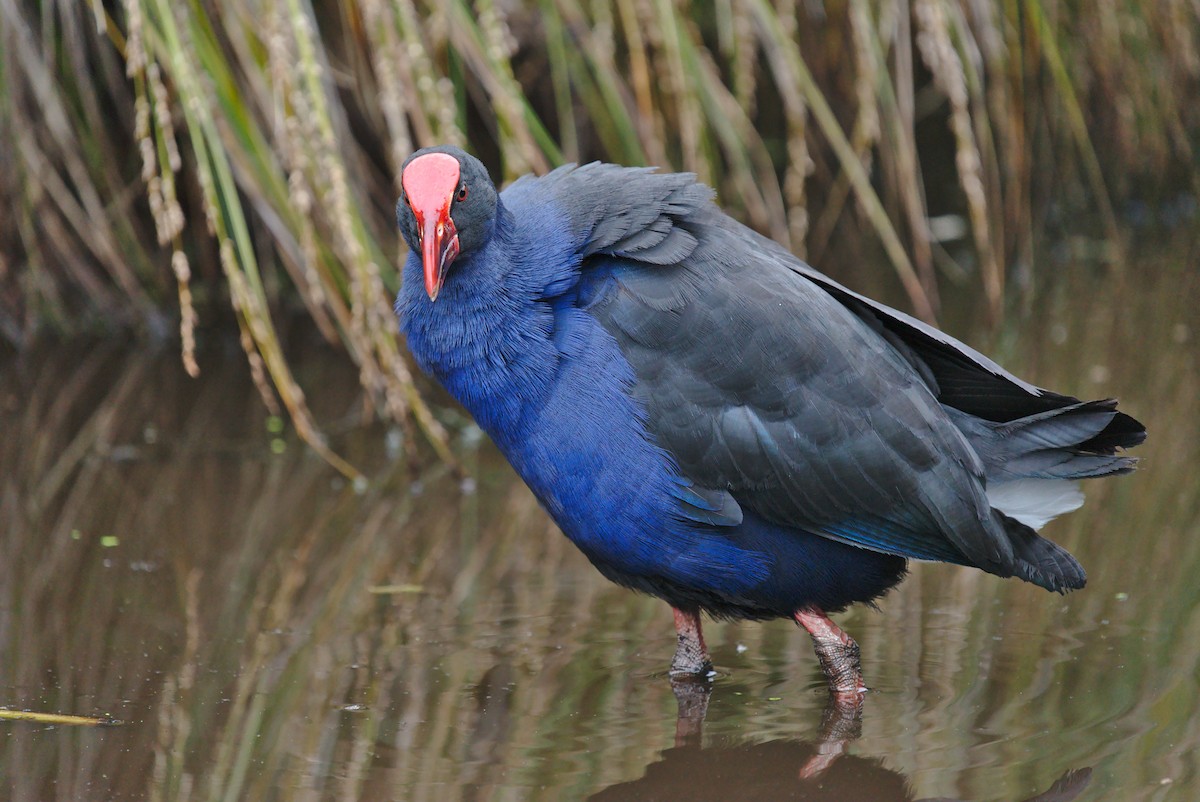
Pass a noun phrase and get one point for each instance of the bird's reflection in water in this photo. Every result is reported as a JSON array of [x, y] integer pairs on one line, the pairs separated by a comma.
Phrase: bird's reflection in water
[[781, 769]]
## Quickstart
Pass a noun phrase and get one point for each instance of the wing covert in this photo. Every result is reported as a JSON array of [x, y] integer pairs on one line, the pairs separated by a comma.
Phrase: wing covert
[[763, 385]]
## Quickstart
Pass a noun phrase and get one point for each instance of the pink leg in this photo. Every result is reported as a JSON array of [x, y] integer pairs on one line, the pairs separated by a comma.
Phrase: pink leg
[[691, 656], [837, 652]]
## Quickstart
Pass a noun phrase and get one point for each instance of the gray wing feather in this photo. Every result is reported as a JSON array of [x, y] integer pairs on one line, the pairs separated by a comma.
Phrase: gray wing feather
[[624, 211], [779, 390], [761, 384]]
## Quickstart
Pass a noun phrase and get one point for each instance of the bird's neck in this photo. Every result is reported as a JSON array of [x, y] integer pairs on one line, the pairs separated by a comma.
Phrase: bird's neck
[[488, 337]]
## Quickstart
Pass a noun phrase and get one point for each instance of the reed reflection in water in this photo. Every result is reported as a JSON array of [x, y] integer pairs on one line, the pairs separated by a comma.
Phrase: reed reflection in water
[[265, 630]]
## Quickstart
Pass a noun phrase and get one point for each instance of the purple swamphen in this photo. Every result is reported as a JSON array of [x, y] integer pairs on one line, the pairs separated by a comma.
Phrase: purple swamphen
[[712, 421]]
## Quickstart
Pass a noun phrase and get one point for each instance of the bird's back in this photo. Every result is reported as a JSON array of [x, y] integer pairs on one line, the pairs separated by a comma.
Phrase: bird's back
[[823, 411]]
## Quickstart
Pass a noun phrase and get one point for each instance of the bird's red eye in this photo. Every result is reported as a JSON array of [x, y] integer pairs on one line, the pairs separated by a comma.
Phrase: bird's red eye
[[462, 193]]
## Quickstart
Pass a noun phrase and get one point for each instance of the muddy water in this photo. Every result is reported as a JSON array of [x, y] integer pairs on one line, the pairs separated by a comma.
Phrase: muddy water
[[263, 629]]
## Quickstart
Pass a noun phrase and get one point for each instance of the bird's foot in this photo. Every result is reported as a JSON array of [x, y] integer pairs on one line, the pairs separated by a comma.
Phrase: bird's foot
[[843, 670], [691, 655], [838, 654], [688, 665]]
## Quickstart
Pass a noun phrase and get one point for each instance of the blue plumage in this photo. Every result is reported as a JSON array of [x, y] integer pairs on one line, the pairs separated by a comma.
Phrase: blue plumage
[[712, 421], [552, 389]]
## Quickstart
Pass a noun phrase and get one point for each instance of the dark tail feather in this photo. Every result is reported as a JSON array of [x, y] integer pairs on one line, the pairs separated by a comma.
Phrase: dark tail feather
[[1123, 431], [1068, 464], [1040, 561], [1068, 426], [1077, 441]]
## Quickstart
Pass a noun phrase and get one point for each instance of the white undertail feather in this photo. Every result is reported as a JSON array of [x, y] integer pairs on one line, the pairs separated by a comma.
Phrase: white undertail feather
[[1035, 502]]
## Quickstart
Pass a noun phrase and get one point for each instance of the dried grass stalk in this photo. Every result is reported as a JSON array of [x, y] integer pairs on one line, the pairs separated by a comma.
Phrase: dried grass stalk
[[283, 126]]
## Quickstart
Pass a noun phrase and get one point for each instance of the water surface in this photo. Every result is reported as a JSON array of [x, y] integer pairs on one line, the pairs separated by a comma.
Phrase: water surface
[[263, 629]]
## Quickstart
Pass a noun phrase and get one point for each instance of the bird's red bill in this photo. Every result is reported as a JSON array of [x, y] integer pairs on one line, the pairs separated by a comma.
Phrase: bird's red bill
[[430, 182]]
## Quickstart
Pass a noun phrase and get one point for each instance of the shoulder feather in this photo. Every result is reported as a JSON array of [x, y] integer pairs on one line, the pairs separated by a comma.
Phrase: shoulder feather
[[629, 212]]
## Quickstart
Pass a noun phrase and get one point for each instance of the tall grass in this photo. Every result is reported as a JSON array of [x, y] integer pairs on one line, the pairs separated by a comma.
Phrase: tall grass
[[166, 160]]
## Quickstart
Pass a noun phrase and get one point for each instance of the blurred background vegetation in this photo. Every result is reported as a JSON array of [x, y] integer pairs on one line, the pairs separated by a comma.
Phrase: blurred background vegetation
[[180, 169]]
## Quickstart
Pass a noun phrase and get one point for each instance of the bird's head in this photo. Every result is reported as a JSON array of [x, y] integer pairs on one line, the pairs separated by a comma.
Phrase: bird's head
[[447, 208]]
